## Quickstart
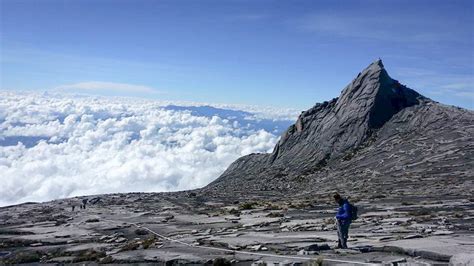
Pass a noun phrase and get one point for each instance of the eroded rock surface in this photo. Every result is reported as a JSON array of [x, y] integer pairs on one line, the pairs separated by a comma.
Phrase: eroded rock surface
[[300, 228], [378, 137]]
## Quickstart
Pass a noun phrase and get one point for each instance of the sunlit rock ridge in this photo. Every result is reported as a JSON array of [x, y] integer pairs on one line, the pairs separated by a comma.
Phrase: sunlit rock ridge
[[378, 132]]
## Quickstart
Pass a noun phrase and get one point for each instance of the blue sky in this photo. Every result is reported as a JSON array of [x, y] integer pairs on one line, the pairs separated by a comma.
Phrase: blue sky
[[280, 53]]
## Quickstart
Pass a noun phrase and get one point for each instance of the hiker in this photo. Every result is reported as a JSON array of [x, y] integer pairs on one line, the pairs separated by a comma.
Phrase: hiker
[[72, 204], [343, 220], [84, 202]]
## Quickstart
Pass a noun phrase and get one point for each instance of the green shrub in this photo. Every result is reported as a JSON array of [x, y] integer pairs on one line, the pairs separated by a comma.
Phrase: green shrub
[[130, 246], [234, 211], [148, 242], [275, 214], [25, 257], [316, 262], [107, 260], [419, 212], [247, 205], [221, 262], [90, 255]]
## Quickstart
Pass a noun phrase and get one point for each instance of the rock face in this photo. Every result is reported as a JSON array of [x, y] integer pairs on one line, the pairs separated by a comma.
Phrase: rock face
[[373, 113], [327, 131]]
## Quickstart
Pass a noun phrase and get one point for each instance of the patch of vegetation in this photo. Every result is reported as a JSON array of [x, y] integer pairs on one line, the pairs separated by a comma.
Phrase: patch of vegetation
[[60, 216], [11, 243], [300, 178], [90, 255], [349, 156], [378, 196], [423, 219], [328, 221], [247, 205], [272, 206], [25, 257], [130, 246], [57, 252], [107, 260], [148, 242], [221, 262], [275, 214], [299, 204], [316, 262], [419, 212], [14, 232], [43, 218], [45, 210], [60, 222], [234, 211]]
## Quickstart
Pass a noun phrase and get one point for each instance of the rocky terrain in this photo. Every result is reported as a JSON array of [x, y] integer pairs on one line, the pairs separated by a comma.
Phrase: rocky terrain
[[403, 159], [378, 137], [297, 230]]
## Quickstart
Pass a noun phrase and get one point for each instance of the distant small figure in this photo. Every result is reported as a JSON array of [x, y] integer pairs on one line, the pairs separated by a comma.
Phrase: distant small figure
[[72, 204], [84, 202], [344, 217]]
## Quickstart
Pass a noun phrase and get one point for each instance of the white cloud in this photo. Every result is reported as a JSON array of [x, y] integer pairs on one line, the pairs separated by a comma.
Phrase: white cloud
[[91, 145], [107, 86]]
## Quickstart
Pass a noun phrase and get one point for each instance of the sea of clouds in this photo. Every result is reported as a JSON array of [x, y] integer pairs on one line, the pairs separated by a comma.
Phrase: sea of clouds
[[56, 145]]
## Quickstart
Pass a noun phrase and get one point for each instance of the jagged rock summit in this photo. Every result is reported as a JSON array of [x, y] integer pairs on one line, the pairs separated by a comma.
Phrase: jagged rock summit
[[372, 110], [345, 122]]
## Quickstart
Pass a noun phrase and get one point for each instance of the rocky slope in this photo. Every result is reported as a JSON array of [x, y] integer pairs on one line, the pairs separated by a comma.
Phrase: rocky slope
[[195, 229], [377, 137]]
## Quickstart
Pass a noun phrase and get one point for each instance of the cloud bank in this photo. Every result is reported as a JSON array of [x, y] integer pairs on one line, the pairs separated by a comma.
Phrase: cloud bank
[[60, 146]]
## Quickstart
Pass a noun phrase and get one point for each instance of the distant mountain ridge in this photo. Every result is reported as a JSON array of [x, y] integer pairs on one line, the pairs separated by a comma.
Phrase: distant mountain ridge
[[377, 125], [244, 118]]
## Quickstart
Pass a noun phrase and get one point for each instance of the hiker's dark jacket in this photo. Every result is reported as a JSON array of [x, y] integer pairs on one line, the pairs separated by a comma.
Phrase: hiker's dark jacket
[[344, 212]]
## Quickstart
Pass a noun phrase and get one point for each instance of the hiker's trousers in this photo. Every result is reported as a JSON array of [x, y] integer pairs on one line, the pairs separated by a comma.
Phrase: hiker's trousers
[[343, 233]]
